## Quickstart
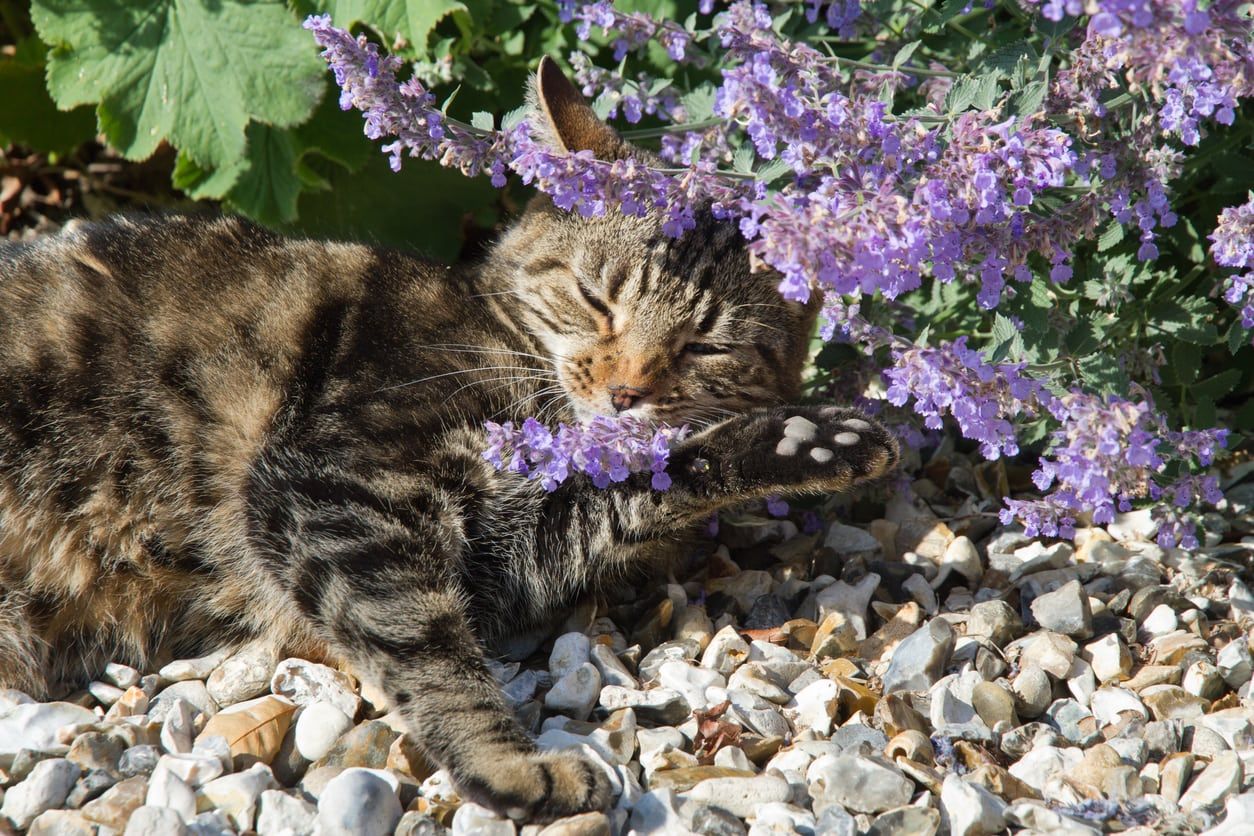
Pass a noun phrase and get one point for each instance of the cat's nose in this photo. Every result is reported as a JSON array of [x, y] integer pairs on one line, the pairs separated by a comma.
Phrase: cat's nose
[[624, 397]]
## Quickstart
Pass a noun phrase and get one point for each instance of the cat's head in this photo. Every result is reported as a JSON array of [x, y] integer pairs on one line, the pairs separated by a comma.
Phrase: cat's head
[[634, 320]]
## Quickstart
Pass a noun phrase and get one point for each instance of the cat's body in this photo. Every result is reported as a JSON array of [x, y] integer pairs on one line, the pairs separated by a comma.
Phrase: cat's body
[[210, 433]]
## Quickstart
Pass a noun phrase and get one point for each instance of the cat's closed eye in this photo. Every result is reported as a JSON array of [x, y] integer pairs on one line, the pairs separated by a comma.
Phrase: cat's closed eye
[[704, 348], [596, 304]]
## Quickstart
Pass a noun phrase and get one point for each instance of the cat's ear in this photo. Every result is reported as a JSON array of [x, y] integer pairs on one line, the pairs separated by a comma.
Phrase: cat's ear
[[570, 122]]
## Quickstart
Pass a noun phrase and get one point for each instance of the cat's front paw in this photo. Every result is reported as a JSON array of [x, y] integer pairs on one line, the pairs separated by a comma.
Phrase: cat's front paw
[[538, 787], [814, 449]]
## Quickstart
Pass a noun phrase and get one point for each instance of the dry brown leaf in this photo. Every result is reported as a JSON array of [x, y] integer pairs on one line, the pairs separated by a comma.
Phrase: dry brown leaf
[[253, 729]]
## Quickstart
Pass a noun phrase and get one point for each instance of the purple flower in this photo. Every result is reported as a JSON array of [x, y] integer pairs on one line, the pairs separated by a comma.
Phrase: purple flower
[[608, 450]]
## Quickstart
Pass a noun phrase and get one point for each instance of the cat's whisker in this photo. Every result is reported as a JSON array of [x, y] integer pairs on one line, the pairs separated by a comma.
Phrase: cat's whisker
[[457, 372], [466, 348]]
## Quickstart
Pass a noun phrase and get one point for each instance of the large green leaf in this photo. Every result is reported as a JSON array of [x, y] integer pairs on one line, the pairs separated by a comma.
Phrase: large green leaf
[[421, 207], [193, 72], [27, 115], [411, 20]]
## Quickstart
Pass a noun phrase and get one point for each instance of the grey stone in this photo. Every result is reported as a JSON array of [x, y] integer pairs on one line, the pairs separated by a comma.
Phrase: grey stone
[[995, 619], [282, 814], [972, 810], [44, 789], [575, 694], [916, 821], [712, 821], [740, 796], [570, 650], [660, 705], [191, 691], [857, 783], [139, 760], [1065, 610], [919, 661], [90, 787]]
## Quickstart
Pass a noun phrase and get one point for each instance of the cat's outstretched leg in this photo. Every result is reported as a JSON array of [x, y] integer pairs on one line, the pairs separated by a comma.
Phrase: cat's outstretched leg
[[365, 568], [779, 450]]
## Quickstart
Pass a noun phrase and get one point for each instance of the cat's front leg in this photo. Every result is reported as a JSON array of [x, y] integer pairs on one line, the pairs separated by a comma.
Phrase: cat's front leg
[[778, 450], [371, 563]]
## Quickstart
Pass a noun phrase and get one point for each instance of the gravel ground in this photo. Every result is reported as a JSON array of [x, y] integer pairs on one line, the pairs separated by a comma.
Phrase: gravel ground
[[927, 672]]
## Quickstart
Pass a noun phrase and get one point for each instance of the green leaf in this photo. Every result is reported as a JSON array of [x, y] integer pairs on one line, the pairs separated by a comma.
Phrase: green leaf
[[193, 72], [411, 20], [936, 20], [335, 134], [482, 120], [27, 115], [972, 91], [1190, 319], [267, 187], [699, 103], [1216, 386], [903, 54], [1007, 342], [1101, 372], [201, 183], [1237, 337], [1111, 236], [421, 207], [1028, 100]]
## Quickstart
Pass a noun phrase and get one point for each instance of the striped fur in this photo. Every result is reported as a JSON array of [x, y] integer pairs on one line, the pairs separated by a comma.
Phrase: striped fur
[[210, 433]]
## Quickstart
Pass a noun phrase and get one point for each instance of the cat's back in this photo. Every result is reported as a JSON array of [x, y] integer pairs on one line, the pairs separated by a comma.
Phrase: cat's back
[[143, 363]]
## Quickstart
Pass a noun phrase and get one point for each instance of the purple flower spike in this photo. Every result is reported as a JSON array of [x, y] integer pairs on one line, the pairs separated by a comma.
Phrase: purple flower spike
[[608, 450]]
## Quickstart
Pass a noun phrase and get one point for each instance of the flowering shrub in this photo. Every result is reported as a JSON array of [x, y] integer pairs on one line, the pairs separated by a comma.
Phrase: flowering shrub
[[1027, 219], [988, 181]]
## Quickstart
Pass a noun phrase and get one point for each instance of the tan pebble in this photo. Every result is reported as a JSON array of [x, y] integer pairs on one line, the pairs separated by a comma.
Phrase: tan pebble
[[912, 745]]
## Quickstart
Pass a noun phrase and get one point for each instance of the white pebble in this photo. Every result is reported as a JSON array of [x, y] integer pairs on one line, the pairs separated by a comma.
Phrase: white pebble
[[319, 725]]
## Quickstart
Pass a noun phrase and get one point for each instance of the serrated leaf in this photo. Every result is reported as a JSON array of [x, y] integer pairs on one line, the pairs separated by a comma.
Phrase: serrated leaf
[[1007, 341], [903, 54], [968, 91], [773, 170], [268, 185], [699, 103], [200, 183], [334, 133], [1237, 337], [193, 72], [411, 20], [510, 120], [1216, 386], [1028, 100], [1102, 373], [1112, 235], [482, 120], [1189, 319], [742, 160], [378, 205]]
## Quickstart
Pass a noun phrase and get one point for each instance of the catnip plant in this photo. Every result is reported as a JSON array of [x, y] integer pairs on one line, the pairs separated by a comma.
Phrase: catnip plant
[[981, 194]]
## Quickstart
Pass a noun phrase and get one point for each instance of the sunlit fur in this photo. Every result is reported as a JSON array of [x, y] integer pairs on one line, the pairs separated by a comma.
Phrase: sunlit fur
[[211, 434]]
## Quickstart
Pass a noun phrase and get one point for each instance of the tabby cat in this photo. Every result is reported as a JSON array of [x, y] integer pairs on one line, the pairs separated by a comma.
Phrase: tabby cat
[[211, 433]]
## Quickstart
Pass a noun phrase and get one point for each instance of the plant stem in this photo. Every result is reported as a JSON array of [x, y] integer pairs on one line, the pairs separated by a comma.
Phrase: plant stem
[[682, 127], [866, 65]]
